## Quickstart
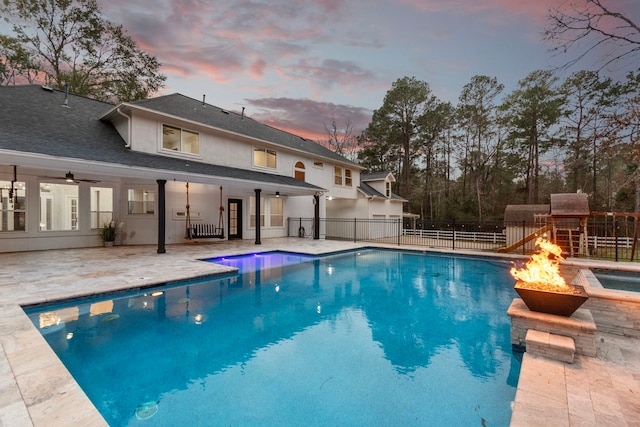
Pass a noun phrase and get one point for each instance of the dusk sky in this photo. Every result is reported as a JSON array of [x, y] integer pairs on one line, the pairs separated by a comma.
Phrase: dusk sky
[[297, 65]]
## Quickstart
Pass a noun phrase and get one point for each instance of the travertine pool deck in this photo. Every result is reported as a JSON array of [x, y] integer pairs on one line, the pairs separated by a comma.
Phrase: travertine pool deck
[[36, 389]]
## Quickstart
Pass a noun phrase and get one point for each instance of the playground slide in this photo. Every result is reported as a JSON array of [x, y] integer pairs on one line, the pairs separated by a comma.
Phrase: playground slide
[[526, 239]]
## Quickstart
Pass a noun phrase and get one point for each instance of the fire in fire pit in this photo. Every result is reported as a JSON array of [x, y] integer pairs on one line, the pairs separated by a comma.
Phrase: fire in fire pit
[[541, 286]]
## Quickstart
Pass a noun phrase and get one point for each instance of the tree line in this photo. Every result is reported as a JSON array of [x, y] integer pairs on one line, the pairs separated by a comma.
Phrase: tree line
[[472, 159]]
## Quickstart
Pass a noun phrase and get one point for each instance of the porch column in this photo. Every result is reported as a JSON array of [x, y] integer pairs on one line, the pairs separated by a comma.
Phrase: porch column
[[258, 191], [316, 217], [161, 215]]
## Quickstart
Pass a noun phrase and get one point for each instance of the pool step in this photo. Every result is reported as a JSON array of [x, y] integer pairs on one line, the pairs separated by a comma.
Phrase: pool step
[[552, 346]]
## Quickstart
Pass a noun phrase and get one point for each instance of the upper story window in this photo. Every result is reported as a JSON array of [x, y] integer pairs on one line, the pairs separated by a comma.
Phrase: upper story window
[[264, 158], [182, 140], [342, 177], [298, 172], [337, 175], [387, 189]]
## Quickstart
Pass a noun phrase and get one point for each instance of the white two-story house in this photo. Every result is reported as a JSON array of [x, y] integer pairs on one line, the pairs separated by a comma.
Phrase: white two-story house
[[164, 169]]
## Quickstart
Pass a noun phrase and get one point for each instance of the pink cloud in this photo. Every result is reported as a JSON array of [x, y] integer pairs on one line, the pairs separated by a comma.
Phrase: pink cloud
[[531, 8], [327, 73], [306, 117], [257, 69]]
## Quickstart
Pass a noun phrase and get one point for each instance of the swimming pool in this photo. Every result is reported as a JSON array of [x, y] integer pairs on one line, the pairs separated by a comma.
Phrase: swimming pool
[[618, 279], [370, 337]]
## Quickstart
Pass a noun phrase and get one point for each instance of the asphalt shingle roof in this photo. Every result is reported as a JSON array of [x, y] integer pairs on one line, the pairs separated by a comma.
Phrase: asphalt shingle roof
[[40, 121], [372, 192], [373, 176]]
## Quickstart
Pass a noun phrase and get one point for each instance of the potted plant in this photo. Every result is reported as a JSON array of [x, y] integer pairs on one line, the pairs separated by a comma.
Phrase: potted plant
[[108, 233]]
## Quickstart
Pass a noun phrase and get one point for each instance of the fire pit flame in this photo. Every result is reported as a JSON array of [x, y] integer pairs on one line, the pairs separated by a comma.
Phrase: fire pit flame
[[542, 271]]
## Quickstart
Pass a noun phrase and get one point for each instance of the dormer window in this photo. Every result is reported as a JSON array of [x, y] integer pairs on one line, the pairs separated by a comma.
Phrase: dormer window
[[181, 140], [264, 158], [387, 189]]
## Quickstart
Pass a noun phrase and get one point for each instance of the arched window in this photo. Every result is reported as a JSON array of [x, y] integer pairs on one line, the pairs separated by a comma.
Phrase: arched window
[[298, 172]]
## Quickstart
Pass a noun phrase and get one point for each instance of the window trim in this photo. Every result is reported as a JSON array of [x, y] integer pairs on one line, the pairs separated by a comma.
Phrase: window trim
[[266, 152], [272, 215], [142, 188], [345, 175], [58, 208], [300, 170], [98, 213], [252, 212], [180, 152], [338, 173], [12, 210]]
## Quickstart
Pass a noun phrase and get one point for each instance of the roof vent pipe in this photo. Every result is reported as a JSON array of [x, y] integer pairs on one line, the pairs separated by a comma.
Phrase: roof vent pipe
[[242, 113], [66, 95], [203, 96]]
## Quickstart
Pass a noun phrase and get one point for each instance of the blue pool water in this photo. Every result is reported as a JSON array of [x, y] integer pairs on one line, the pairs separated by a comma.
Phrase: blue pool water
[[618, 279], [261, 260], [370, 337]]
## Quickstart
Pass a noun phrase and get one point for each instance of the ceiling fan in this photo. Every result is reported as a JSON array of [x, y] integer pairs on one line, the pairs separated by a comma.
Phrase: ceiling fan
[[69, 178]]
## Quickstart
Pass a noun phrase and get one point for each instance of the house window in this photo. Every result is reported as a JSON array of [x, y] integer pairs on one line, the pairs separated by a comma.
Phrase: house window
[[141, 201], [73, 208], [252, 211], [337, 176], [13, 208], [388, 189], [182, 140], [275, 214], [101, 206], [58, 207], [298, 172], [264, 158]]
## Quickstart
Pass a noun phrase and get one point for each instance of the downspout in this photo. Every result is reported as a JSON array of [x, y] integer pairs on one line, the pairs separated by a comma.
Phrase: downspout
[[258, 191], [128, 144], [316, 217]]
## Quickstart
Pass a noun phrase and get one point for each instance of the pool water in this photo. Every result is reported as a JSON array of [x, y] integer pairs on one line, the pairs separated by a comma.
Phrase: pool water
[[370, 337], [261, 260], [618, 279]]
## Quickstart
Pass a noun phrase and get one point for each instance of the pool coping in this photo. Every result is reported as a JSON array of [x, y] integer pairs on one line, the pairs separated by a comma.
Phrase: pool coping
[[35, 386]]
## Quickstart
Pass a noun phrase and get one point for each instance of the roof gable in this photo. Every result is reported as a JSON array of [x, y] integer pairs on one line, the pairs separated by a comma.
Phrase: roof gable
[[377, 176]]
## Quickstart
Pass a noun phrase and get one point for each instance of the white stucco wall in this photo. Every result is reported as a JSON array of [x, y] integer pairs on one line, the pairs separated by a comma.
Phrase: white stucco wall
[[235, 151]]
